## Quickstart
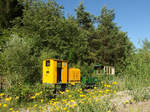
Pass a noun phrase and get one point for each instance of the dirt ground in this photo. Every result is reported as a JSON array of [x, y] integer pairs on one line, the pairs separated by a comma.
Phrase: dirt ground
[[120, 102], [136, 107]]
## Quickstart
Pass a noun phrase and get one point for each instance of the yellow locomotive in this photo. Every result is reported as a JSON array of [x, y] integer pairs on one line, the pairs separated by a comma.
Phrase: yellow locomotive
[[57, 72]]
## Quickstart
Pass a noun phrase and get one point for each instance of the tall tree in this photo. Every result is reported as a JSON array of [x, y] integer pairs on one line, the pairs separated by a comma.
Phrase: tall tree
[[84, 18], [110, 44], [9, 9]]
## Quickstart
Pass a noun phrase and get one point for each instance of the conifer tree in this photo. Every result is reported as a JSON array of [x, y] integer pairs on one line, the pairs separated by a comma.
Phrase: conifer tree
[[110, 44]]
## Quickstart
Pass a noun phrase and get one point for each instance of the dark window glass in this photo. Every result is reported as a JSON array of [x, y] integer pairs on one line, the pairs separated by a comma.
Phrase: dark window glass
[[48, 63]]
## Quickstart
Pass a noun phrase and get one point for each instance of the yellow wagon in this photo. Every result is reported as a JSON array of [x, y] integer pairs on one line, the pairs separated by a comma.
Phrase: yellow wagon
[[57, 72]]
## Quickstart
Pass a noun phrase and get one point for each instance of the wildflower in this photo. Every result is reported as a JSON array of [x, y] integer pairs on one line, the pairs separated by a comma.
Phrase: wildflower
[[35, 105], [72, 100], [108, 85], [114, 91], [73, 83], [57, 108], [42, 100], [95, 88], [82, 95], [74, 105], [8, 99], [70, 96], [53, 99], [70, 105], [10, 109], [40, 92], [114, 83], [81, 92], [61, 92], [105, 85], [65, 108], [67, 91], [4, 105], [0, 104], [33, 97], [37, 94], [107, 90], [127, 101], [1, 94]]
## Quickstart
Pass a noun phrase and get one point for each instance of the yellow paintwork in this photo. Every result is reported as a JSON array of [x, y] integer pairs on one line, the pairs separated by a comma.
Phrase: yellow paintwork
[[74, 75], [64, 72], [49, 75]]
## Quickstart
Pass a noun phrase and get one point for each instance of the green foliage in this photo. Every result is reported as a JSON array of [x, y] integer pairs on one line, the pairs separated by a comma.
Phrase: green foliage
[[43, 32], [9, 9], [141, 94], [84, 19], [114, 44], [29, 93], [19, 65]]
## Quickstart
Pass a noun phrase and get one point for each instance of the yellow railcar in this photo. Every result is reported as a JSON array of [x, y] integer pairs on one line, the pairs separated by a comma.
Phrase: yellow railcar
[[57, 72]]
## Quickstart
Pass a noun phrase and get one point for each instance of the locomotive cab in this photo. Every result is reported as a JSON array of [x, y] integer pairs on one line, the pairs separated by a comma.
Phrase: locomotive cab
[[57, 72]]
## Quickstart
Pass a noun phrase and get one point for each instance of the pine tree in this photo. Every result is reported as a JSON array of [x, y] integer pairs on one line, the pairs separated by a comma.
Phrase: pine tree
[[84, 18], [110, 45]]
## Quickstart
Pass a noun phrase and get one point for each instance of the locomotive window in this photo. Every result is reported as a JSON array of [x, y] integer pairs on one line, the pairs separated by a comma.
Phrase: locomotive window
[[48, 63]]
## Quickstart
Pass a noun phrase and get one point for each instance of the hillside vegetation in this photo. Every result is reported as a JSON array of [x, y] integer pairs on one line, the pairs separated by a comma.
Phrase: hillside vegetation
[[34, 30]]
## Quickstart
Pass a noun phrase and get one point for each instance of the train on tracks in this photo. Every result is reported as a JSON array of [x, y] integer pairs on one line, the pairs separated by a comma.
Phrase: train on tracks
[[56, 72]]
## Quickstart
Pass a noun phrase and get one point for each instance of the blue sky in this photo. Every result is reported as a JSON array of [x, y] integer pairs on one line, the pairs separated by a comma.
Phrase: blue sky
[[132, 15]]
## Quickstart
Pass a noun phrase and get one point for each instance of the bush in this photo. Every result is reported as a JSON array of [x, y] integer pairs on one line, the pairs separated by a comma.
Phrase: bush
[[20, 63]]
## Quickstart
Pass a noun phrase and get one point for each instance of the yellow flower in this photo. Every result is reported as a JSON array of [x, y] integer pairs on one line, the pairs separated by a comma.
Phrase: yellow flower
[[10, 108], [108, 85], [127, 101], [74, 105], [65, 108], [70, 96], [4, 105], [37, 94], [67, 90], [114, 83], [82, 95], [8, 99], [42, 100], [70, 105], [33, 97], [61, 92], [0, 104], [40, 92], [81, 92], [105, 85], [107, 90], [35, 105], [1, 94], [95, 88], [72, 100], [114, 91]]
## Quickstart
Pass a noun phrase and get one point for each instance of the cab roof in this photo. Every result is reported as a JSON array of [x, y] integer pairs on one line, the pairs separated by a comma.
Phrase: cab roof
[[55, 59]]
